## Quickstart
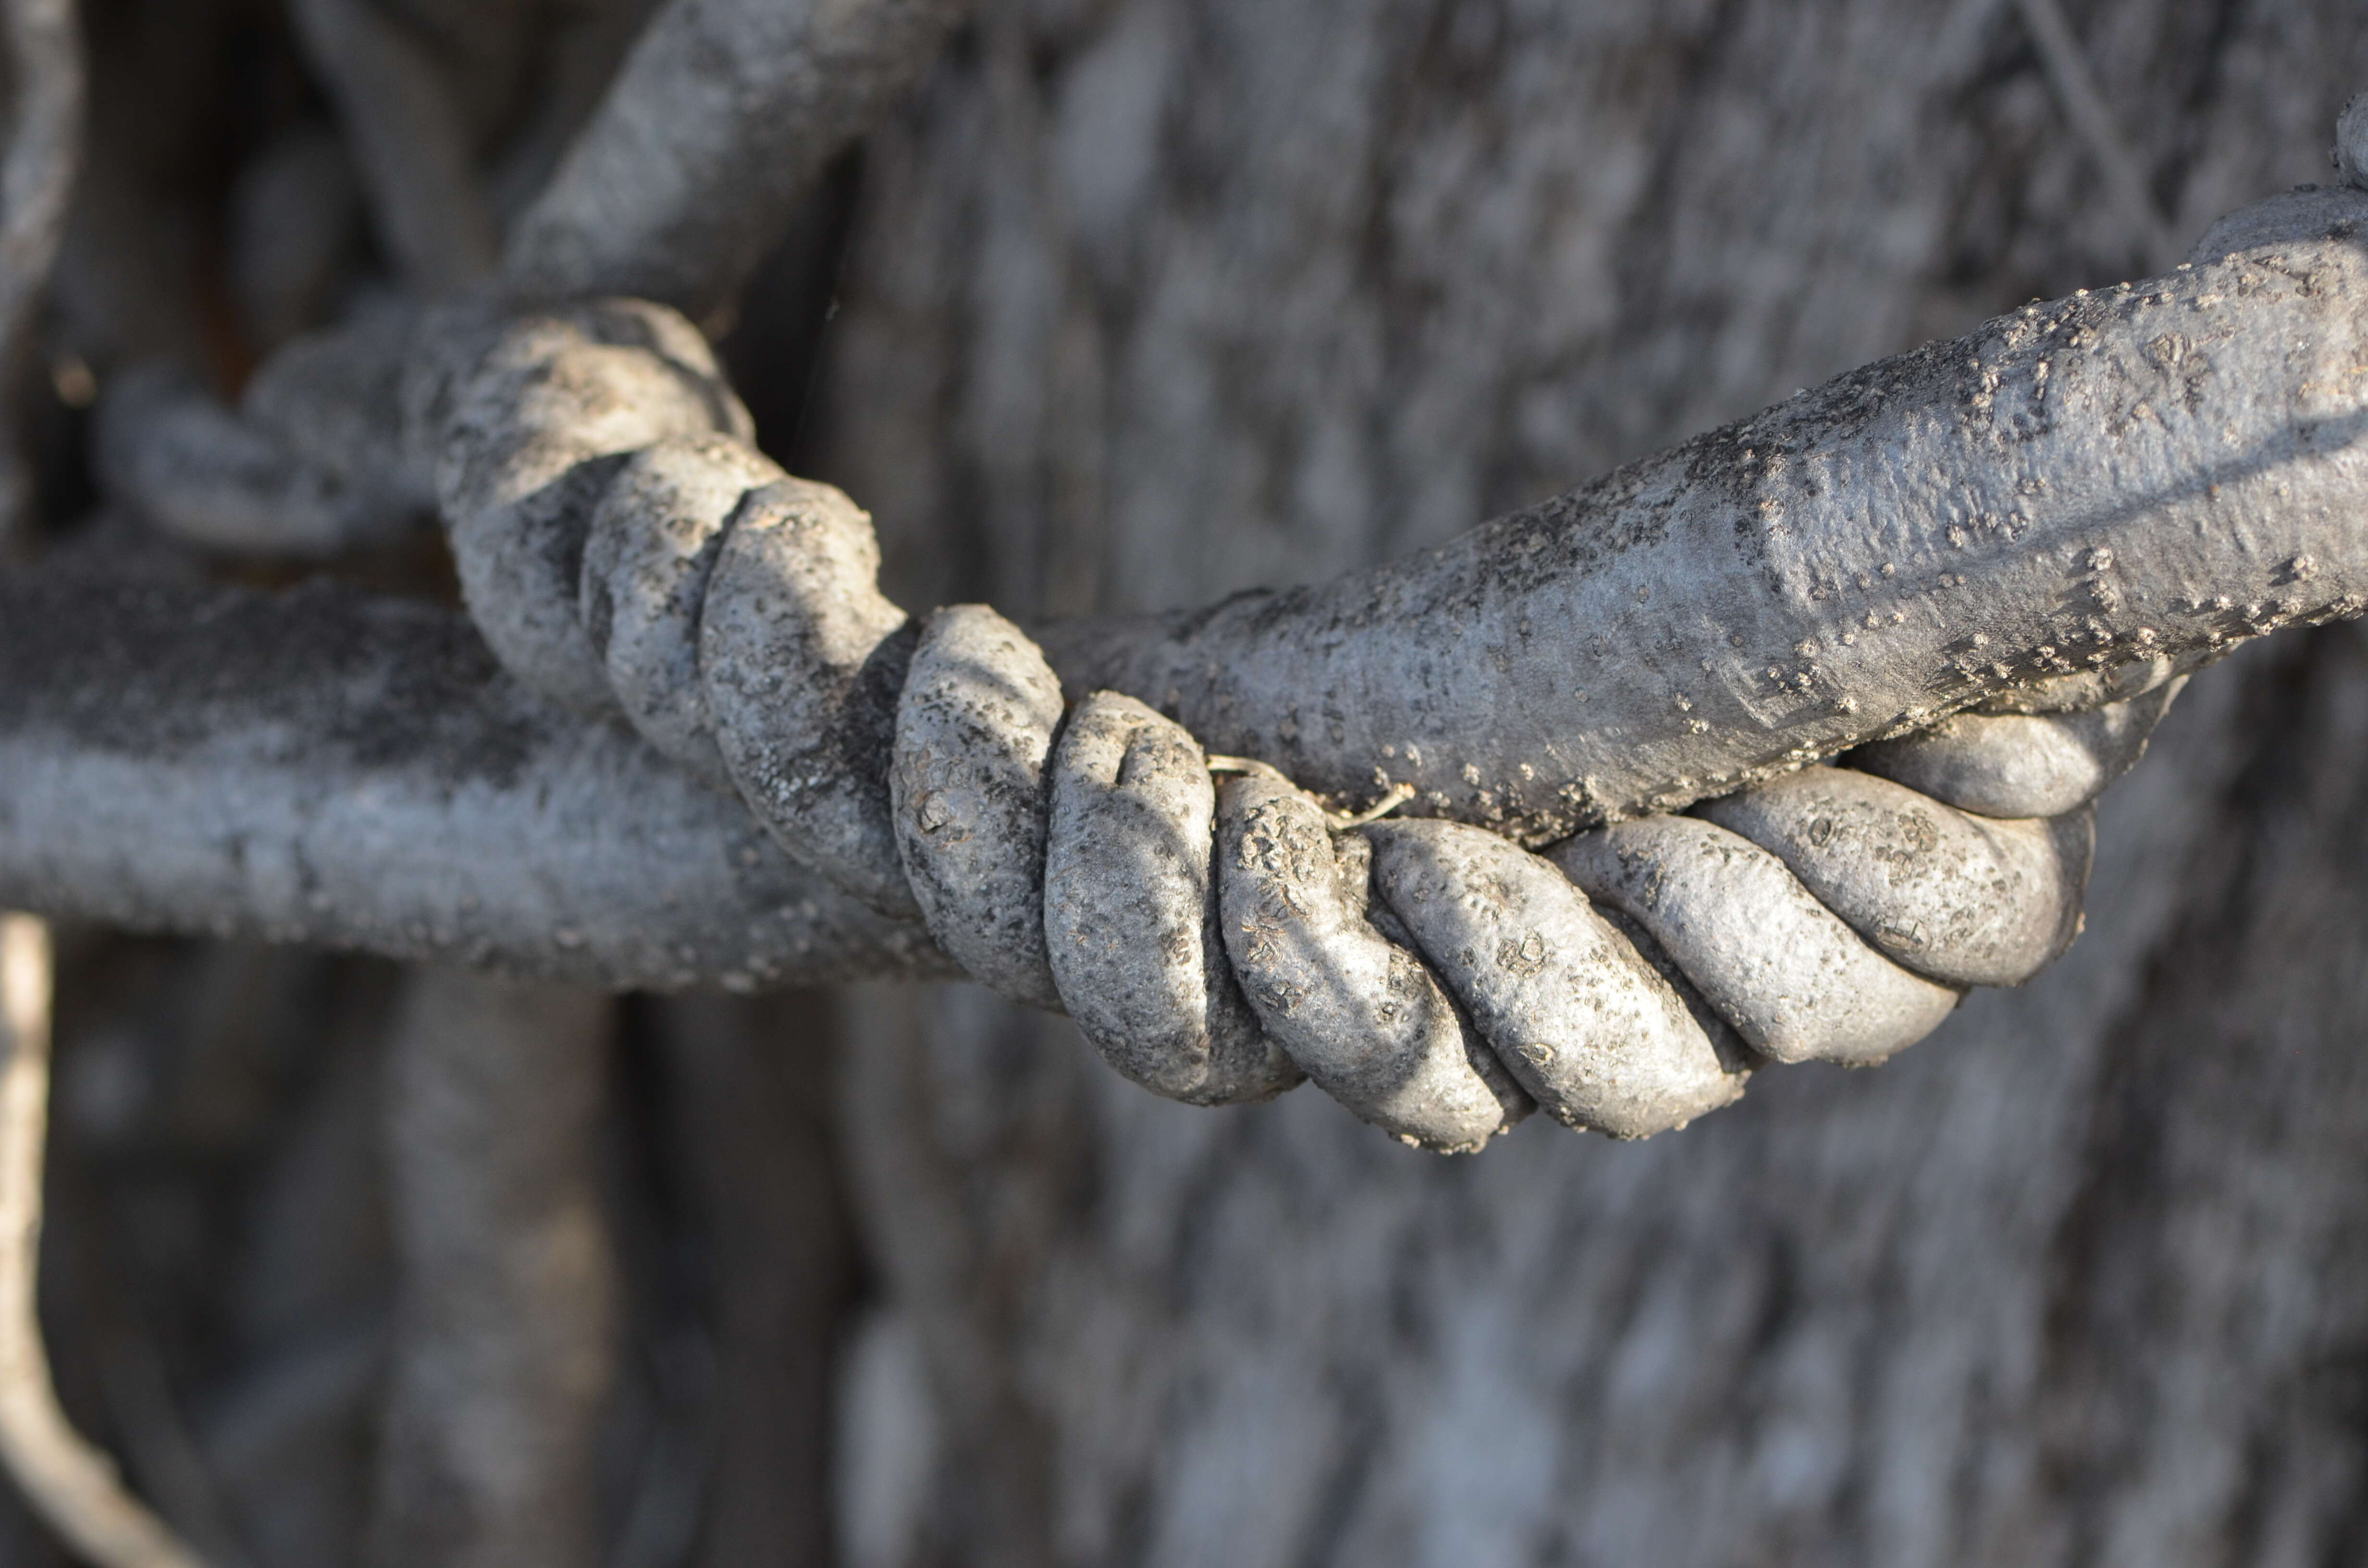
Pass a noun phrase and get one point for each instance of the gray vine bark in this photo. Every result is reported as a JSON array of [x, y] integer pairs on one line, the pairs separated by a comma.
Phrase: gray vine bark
[[503, 1345], [1154, 299]]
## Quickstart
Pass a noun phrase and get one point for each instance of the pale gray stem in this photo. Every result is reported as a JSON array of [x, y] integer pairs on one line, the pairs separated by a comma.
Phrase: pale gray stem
[[2092, 121], [723, 114], [409, 138], [37, 178], [505, 1340], [328, 769], [71, 1485]]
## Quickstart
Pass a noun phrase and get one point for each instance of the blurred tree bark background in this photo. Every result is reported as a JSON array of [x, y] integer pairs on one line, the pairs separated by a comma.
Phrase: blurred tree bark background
[[1137, 303]]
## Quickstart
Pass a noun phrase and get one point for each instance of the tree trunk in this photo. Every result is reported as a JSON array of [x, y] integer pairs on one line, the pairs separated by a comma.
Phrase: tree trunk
[[1152, 300]]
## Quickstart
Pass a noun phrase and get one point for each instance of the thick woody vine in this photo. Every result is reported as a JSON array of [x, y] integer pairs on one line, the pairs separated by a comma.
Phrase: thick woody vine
[[624, 549], [1762, 750], [2060, 513]]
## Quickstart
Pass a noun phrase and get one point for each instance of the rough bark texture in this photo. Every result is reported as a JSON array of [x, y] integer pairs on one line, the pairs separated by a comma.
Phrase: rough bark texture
[[1155, 300]]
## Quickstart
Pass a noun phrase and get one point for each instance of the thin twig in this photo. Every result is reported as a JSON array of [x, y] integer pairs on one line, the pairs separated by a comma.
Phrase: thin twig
[[1390, 800], [397, 105], [36, 181], [68, 1482], [2076, 90], [1242, 765]]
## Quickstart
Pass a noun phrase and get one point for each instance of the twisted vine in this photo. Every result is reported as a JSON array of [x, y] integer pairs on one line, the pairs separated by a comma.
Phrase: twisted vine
[[2054, 517], [1216, 931]]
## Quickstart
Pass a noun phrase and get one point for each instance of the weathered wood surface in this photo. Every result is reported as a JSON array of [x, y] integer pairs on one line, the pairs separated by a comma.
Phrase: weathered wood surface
[[1157, 299]]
